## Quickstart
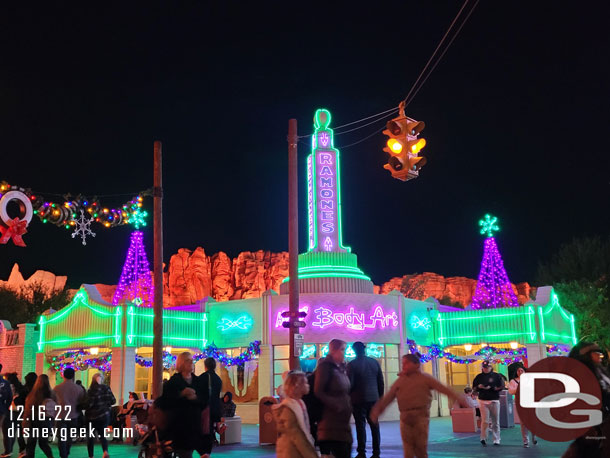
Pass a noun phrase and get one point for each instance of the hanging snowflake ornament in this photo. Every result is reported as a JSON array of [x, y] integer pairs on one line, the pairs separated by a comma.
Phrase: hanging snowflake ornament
[[83, 227]]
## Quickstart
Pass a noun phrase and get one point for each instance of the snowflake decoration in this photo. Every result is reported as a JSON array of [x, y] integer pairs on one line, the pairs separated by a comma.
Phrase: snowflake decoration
[[488, 225], [83, 227], [138, 216]]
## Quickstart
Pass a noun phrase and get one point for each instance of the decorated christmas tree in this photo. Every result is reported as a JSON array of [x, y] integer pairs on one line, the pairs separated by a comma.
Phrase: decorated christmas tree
[[135, 284], [493, 287]]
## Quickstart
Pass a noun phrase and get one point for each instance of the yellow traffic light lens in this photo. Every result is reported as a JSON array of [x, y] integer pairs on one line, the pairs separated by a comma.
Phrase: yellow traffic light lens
[[395, 146], [417, 147]]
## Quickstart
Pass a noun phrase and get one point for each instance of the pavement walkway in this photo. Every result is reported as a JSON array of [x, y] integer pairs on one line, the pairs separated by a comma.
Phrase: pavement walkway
[[443, 443]]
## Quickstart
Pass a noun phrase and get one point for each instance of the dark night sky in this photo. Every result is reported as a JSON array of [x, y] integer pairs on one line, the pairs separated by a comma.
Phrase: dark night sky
[[516, 117]]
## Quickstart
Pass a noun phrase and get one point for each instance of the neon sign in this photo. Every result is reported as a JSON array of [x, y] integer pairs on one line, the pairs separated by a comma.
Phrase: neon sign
[[323, 317], [416, 322], [242, 323], [323, 186]]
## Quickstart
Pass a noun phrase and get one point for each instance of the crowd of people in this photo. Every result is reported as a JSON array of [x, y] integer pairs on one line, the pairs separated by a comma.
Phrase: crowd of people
[[316, 407], [314, 412], [189, 413]]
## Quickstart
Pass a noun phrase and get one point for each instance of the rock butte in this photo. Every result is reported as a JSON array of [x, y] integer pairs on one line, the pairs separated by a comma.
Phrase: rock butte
[[193, 275]]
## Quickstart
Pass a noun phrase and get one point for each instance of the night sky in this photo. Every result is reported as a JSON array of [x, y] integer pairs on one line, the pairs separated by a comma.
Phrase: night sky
[[516, 124]]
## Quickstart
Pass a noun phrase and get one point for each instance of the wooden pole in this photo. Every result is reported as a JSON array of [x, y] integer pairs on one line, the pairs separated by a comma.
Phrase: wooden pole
[[157, 368], [293, 239]]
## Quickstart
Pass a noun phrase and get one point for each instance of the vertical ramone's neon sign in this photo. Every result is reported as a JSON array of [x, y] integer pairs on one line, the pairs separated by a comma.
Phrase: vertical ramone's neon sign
[[323, 185]]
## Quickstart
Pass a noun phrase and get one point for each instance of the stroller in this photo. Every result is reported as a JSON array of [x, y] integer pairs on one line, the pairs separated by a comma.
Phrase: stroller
[[149, 424]]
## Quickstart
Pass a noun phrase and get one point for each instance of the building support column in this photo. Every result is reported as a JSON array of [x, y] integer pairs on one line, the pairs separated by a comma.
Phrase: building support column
[[535, 352], [123, 376], [265, 371]]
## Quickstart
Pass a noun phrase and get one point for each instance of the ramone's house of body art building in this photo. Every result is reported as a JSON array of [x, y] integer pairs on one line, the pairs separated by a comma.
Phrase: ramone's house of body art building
[[252, 344]]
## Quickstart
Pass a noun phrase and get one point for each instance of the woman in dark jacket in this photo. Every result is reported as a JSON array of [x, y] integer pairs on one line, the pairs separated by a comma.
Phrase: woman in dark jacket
[[100, 400], [332, 387], [182, 401], [210, 386]]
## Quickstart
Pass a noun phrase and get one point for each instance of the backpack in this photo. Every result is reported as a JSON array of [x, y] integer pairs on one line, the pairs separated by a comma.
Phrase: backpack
[[315, 407]]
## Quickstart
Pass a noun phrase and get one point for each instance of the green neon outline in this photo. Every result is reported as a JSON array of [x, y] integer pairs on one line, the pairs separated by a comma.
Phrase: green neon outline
[[521, 314], [440, 325], [78, 299], [541, 324], [525, 315], [73, 339], [117, 328], [491, 335], [573, 326], [167, 337], [330, 274], [42, 323], [318, 128], [530, 312]]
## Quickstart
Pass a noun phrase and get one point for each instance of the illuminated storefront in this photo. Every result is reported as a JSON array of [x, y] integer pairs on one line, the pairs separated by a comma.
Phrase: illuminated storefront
[[248, 338]]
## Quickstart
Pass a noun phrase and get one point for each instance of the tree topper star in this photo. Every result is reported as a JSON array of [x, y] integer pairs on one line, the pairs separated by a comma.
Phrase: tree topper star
[[488, 225]]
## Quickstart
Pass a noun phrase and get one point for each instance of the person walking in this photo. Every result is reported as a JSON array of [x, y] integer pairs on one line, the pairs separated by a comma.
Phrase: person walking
[[99, 402], [11, 420], [183, 402], [293, 437], [332, 388], [70, 397], [366, 378], [211, 386], [489, 384], [19, 403], [39, 413], [413, 391], [514, 373], [6, 399]]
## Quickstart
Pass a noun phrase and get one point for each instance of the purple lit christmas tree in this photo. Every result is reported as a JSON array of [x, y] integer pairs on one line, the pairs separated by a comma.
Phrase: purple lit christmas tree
[[493, 287], [135, 284]]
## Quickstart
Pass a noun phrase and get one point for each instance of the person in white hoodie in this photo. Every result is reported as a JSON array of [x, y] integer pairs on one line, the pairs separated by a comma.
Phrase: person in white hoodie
[[294, 439]]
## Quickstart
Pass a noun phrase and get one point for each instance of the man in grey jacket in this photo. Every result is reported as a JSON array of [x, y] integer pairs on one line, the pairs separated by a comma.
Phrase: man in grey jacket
[[70, 397], [366, 379]]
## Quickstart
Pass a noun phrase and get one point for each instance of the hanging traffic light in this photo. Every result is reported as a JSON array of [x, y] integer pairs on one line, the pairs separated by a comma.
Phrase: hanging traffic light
[[403, 146]]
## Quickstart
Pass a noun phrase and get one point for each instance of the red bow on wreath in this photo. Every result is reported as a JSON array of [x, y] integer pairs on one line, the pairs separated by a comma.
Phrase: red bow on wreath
[[16, 228]]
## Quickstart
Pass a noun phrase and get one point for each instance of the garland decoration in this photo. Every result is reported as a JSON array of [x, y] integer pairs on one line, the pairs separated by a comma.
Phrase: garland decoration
[[65, 213], [213, 351], [254, 348], [80, 360], [492, 354], [557, 350]]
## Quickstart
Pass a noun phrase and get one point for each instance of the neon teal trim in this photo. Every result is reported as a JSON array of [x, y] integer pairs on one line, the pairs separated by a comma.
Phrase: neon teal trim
[[130, 313]]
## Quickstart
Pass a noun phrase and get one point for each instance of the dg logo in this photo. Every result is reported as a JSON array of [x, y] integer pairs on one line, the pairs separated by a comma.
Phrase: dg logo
[[559, 399]]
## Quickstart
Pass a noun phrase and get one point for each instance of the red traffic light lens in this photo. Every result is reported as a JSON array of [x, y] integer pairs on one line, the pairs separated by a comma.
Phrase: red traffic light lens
[[394, 127]]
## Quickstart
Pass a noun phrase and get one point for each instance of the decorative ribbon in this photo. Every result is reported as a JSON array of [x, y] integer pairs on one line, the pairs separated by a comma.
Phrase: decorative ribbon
[[16, 228]]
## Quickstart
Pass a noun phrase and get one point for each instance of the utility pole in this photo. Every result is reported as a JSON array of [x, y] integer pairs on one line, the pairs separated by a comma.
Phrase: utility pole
[[293, 240], [157, 366]]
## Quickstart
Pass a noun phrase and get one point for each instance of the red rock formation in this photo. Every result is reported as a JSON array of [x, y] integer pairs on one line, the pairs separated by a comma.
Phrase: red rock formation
[[456, 291], [192, 275], [46, 281]]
